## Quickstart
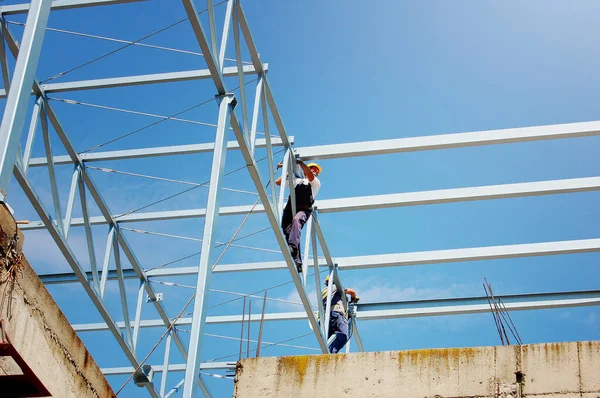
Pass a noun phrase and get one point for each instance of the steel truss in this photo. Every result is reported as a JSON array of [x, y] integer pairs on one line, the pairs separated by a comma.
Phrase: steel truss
[[245, 124]]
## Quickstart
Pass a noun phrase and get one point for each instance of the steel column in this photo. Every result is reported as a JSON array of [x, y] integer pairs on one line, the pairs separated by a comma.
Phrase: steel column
[[122, 290], [356, 335], [257, 100], [35, 116], [238, 58], [22, 81], [3, 58], [313, 237], [269, 145], [226, 105], [226, 25], [165, 372], [51, 171], [307, 240], [71, 201], [213, 31], [282, 185], [107, 254], [138, 314], [327, 316], [88, 231]]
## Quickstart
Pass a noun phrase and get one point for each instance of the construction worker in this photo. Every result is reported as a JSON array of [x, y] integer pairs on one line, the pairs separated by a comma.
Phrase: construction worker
[[338, 317], [306, 190]]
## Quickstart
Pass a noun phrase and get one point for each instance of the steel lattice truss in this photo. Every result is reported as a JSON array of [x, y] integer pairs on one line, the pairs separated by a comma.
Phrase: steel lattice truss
[[239, 111]]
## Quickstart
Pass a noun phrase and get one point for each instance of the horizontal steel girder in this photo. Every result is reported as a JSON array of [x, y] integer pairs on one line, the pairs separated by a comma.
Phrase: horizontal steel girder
[[149, 152], [62, 5], [127, 370], [446, 141], [378, 260], [379, 201], [408, 309], [137, 80], [398, 145]]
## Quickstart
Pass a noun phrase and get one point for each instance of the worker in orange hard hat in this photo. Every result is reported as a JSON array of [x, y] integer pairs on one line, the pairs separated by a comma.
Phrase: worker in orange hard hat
[[305, 190], [338, 316]]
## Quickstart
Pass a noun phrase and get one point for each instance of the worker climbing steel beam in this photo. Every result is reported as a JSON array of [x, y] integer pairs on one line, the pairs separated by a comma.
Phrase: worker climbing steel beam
[[337, 330], [305, 190]]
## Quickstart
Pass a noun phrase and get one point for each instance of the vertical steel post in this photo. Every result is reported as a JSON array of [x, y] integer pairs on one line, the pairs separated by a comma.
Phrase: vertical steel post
[[290, 177], [307, 239], [240, 66], [257, 98], [262, 321], [71, 201], [226, 105], [225, 36], [242, 330], [107, 254], [328, 307], [283, 184], [138, 313], [3, 59], [165, 372], [317, 272], [88, 231], [249, 323], [356, 336], [51, 171], [20, 91], [265, 113], [122, 289], [213, 30], [35, 116]]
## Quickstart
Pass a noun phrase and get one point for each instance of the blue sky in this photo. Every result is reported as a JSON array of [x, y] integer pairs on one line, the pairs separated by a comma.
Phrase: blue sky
[[345, 72]]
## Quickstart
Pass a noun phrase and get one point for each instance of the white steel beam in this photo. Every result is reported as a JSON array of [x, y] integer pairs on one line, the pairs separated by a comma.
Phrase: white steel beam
[[127, 370], [226, 106], [168, 77], [445, 141], [22, 80], [150, 152], [407, 309], [378, 260], [384, 201], [62, 5], [410, 144], [137, 80]]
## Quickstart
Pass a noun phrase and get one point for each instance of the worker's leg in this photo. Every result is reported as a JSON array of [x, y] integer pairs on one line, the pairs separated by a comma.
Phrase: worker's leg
[[293, 232], [340, 325]]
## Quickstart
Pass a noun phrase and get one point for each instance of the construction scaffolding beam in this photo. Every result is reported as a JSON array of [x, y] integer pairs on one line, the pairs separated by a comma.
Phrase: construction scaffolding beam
[[441, 196], [408, 309]]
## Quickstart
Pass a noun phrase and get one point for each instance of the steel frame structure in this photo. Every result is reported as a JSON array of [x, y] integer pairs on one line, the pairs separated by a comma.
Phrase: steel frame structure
[[245, 124]]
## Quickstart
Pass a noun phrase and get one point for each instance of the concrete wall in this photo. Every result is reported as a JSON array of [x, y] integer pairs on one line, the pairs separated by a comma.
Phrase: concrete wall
[[41, 333], [561, 370]]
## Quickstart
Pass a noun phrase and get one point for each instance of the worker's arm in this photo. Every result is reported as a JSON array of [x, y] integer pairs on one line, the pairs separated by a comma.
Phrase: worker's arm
[[352, 293], [278, 180], [307, 172]]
